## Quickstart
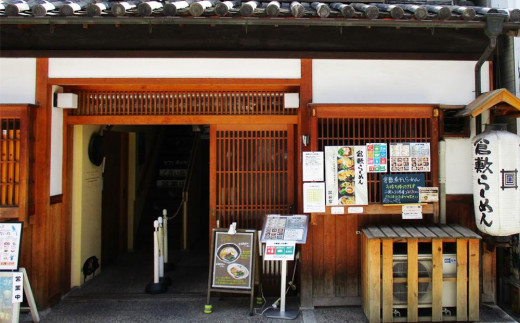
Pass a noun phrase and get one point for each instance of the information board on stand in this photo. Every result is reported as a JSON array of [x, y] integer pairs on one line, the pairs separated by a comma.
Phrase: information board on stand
[[232, 263]]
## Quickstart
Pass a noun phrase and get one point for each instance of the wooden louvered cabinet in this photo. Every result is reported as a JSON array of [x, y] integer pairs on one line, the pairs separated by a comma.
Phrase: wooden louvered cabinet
[[14, 133]]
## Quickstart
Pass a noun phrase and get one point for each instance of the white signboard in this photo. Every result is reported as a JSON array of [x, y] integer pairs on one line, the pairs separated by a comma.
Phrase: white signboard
[[412, 212], [346, 175], [313, 197], [410, 157], [428, 194], [312, 166], [279, 250], [10, 239]]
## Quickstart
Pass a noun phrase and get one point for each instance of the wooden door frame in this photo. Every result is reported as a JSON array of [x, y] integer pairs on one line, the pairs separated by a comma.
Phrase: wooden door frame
[[149, 84]]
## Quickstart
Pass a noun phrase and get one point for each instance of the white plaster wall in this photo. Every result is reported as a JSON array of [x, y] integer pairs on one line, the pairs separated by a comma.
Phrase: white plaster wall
[[56, 147], [173, 68], [390, 81], [458, 166], [505, 3], [17, 80]]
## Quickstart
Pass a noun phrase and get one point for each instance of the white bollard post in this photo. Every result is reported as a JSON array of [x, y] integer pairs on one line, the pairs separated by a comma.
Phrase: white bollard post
[[165, 238], [156, 252], [161, 246]]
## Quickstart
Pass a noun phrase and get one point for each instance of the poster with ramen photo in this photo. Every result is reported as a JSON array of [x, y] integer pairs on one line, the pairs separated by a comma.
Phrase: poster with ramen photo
[[346, 175]]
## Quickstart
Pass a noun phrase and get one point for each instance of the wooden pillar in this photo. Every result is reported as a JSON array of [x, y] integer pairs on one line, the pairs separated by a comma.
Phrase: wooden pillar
[[437, 282], [304, 129], [474, 282], [413, 280], [40, 219], [462, 279], [388, 280]]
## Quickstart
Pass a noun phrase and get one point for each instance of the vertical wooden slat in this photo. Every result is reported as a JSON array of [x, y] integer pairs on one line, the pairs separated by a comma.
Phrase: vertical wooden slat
[[412, 281], [388, 280], [329, 259], [374, 277], [437, 282], [474, 270], [462, 279], [364, 276], [341, 251]]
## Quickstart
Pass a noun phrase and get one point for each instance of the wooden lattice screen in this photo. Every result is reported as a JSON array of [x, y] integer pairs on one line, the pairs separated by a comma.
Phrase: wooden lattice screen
[[13, 162], [101, 103], [360, 125], [253, 174], [10, 161]]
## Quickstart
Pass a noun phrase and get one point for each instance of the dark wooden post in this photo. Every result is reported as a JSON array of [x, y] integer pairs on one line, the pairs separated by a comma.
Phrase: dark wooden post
[[41, 9], [197, 8], [322, 9], [247, 9], [120, 8], [419, 12], [273, 9], [69, 8], [148, 7], [171, 7], [442, 12], [395, 12], [369, 11], [297, 10], [466, 13], [346, 10], [222, 8], [95, 9]]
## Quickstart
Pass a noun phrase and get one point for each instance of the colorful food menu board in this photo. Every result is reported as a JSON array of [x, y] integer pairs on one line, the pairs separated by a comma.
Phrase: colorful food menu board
[[377, 157], [346, 175], [410, 157], [232, 260]]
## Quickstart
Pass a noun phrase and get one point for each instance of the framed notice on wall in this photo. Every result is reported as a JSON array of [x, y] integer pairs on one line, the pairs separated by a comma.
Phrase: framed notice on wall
[[10, 240], [410, 157]]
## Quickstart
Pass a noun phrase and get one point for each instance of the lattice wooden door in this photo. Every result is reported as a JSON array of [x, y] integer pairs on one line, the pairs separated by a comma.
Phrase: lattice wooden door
[[251, 173]]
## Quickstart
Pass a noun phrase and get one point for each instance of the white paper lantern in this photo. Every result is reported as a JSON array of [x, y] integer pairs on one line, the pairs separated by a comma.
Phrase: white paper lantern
[[496, 192]]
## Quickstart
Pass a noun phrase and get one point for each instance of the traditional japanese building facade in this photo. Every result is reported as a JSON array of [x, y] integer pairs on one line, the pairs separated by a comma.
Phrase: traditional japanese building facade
[[354, 87]]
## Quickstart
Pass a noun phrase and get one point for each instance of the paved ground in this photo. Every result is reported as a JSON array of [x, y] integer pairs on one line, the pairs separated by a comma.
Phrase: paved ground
[[117, 295]]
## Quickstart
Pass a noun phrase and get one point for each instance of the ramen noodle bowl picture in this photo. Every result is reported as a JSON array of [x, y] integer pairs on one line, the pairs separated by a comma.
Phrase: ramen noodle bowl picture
[[346, 200], [228, 252], [237, 271], [346, 175], [345, 151], [345, 162]]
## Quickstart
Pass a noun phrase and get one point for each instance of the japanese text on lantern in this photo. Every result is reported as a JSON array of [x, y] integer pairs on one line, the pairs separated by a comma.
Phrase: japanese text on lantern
[[483, 166]]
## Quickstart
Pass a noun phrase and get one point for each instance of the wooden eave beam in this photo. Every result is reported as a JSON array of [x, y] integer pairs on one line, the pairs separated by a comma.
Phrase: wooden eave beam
[[489, 100]]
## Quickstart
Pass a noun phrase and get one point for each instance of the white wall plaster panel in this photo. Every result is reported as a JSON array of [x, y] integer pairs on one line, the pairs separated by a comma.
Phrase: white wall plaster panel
[[173, 68], [394, 81], [56, 147], [17, 80], [459, 165]]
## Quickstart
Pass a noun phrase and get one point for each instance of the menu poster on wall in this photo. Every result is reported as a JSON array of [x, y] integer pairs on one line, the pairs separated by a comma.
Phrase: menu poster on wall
[[232, 260], [346, 175], [10, 239], [410, 157], [312, 166], [377, 156]]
